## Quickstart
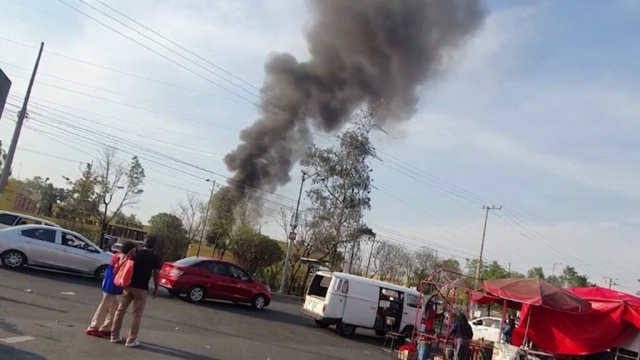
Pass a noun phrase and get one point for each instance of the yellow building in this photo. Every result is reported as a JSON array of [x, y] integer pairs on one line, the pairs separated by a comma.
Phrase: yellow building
[[17, 199]]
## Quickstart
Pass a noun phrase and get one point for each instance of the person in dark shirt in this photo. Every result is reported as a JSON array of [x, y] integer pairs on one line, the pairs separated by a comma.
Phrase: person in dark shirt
[[507, 331], [463, 334], [145, 264]]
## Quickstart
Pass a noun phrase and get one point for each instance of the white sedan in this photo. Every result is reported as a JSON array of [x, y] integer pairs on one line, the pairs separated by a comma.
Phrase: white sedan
[[487, 328], [52, 248]]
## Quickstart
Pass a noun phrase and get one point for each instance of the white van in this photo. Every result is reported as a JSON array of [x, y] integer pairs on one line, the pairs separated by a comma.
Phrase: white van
[[9, 219], [350, 301]]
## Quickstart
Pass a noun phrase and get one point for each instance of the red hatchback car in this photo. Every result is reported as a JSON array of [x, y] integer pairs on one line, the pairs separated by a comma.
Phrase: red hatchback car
[[202, 278]]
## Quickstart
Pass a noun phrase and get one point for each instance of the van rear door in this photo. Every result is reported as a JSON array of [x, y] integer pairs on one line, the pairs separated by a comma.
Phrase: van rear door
[[316, 294]]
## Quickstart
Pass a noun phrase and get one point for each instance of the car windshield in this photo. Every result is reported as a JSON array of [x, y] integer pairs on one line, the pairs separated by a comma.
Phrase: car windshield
[[190, 261]]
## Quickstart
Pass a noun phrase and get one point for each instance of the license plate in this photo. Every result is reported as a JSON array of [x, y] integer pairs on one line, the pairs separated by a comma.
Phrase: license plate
[[314, 305]]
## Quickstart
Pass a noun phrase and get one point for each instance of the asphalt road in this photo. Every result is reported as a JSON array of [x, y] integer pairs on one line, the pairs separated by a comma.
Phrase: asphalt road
[[43, 315]]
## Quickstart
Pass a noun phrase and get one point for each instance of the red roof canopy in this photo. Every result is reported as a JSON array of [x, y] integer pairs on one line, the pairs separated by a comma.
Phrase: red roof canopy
[[537, 292]]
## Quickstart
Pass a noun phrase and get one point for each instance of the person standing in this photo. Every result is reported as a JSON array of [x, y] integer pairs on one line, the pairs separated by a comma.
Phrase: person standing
[[507, 331], [103, 317], [145, 264], [463, 333]]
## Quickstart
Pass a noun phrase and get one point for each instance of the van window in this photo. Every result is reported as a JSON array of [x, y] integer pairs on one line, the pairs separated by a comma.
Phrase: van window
[[336, 286], [345, 287], [8, 219], [319, 286], [412, 300]]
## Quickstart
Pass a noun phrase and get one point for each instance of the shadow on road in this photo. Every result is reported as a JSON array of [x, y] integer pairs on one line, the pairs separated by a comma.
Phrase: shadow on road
[[62, 277], [2, 298], [12, 353], [174, 353], [269, 314], [9, 327]]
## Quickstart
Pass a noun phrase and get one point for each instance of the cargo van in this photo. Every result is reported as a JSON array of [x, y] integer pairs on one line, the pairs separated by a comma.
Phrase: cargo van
[[350, 302]]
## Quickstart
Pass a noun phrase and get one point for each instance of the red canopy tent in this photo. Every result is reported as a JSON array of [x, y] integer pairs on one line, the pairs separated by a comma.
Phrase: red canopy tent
[[615, 316], [537, 292]]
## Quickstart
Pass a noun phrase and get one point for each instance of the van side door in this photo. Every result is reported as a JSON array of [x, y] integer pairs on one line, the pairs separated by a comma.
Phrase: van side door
[[361, 306]]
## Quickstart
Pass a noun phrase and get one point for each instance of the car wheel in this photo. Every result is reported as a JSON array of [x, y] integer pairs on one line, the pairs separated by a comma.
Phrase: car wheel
[[345, 330], [321, 324], [101, 272], [196, 294], [13, 259], [259, 302]]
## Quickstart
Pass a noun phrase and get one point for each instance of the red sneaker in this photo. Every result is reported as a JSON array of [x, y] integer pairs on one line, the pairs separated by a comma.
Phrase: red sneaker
[[105, 333], [92, 332]]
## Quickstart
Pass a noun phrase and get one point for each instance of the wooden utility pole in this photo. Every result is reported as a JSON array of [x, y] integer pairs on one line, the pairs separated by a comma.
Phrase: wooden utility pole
[[6, 169], [484, 233], [611, 282], [206, 218]]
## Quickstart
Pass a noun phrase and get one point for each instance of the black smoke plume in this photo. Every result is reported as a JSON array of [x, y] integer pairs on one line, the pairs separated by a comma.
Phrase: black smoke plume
[[361, 51]]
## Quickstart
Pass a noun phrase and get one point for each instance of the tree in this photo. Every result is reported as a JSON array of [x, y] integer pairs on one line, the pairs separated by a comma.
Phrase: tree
[[254, 251], [536, 273], [222, 219], [127, 218], [390, 261], [492, 270], [571, 278], [112, 178], [172, 236], [425, 263], [45, 192], [339, 194], [81, 195], [191, 211]]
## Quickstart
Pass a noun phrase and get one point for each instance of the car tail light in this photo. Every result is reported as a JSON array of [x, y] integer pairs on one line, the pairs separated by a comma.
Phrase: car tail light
[[324, 308], [304, 299], [175, 272]]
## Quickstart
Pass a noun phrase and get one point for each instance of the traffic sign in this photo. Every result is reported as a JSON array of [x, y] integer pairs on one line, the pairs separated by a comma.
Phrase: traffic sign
[[292, 236]]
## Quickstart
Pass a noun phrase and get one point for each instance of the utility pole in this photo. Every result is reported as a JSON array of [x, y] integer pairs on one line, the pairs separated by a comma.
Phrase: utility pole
[[353, 247], [292, 235], [6, 169], [509, 271], [611, 282], [553, 269], [206, 216], [484, 233], [373, 245]]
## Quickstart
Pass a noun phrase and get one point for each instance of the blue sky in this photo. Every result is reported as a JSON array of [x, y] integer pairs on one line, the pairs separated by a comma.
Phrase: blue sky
[[537, 113]]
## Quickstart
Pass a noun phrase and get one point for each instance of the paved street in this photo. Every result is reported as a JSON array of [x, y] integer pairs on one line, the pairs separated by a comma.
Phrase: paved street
[[43, 315]]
